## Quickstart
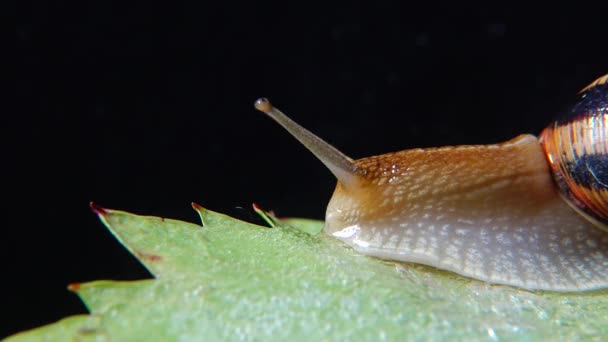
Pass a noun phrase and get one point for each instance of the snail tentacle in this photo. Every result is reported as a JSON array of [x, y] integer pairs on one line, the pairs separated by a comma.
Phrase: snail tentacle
[[337, 162]]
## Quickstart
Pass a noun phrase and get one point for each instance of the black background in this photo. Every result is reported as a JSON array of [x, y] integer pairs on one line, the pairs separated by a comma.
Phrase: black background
[[147, 106]]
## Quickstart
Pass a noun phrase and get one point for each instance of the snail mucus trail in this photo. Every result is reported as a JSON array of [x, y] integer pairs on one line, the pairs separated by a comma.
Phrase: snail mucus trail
[[492, 212]]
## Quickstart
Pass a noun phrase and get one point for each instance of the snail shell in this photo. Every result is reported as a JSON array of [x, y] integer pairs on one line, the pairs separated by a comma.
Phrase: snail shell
[[577, 149], [489, 212]]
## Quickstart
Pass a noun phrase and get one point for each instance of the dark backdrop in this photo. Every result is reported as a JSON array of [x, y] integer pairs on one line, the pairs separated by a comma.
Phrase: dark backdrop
[[147, 106]]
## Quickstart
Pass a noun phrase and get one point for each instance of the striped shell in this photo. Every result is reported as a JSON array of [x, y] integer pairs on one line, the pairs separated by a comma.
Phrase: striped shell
[[576, 146]]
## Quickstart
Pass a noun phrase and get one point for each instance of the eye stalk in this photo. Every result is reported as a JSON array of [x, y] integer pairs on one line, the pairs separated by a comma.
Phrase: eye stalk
[[337, 162]]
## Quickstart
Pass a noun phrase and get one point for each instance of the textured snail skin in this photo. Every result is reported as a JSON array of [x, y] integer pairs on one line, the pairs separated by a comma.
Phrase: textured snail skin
[[490, 212]]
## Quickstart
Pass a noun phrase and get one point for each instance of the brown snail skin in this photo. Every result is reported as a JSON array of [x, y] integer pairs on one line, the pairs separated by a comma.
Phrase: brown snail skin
[[489, 212]]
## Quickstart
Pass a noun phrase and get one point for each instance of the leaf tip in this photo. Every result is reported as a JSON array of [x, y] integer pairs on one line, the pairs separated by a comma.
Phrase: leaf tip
[[197, 206], [264, 215], [201, 212], [74, 287], [97, 209]]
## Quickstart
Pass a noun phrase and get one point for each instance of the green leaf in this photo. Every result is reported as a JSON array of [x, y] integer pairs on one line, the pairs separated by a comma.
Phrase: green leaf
[[234, 280]]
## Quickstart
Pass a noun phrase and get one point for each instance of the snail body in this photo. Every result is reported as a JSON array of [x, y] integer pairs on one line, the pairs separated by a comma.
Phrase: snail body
[[489, 212]]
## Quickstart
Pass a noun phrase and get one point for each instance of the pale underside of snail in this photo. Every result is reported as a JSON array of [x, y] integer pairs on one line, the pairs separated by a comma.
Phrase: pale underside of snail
[[489, 212]]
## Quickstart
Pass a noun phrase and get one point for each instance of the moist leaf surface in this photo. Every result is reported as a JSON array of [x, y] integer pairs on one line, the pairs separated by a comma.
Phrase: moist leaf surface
[[233, 280]]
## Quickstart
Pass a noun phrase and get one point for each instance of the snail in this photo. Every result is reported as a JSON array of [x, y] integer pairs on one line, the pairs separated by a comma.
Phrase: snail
[[529, 212]]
